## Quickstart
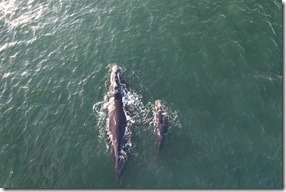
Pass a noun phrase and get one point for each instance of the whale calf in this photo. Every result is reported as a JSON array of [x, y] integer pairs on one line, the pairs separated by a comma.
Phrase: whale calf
[[160, 123], [117, 122]]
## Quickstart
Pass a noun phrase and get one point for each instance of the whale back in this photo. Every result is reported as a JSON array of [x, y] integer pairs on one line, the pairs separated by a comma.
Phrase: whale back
[[117, 121], [160, 123]]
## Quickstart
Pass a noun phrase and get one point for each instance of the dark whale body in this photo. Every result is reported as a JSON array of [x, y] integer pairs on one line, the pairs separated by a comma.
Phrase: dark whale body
[[117, 121], [160, 123]]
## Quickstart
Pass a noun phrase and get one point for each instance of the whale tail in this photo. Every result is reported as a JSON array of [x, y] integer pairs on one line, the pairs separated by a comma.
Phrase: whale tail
[[120, 160]]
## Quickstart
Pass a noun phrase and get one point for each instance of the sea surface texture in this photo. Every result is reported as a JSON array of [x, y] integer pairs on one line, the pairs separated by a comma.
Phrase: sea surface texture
[[217, 66]]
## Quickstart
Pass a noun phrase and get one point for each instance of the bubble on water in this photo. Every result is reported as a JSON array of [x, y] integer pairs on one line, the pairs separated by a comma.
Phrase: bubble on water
[[100, 111]]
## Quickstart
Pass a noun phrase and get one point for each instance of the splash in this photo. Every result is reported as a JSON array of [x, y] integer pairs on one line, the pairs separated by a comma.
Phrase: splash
[[135, 111]]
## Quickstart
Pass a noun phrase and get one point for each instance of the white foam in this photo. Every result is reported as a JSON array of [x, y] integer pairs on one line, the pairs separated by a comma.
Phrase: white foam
[[7, 75]]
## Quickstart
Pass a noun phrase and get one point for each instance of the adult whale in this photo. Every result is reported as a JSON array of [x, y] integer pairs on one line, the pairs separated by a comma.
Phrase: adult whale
[[117, 122], [160, 123]]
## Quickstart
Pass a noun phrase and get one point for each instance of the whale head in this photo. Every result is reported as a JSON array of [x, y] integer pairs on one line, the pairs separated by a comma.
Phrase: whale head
[[116, 80]]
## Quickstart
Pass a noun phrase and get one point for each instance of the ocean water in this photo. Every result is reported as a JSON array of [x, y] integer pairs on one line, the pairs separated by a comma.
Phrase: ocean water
[[217, 65]]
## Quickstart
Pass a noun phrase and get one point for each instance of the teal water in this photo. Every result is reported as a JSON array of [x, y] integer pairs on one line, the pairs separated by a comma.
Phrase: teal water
[[217, 64]]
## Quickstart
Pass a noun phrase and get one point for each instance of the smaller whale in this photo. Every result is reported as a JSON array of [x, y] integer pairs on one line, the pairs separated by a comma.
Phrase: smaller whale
[[160, 123]]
